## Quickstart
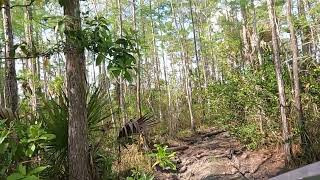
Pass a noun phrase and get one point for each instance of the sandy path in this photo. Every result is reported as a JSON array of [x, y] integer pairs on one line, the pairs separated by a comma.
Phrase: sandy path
[[222, 157]]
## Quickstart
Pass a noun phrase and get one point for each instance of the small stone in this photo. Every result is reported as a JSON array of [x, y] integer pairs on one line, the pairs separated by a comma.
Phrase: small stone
[[183, 169]]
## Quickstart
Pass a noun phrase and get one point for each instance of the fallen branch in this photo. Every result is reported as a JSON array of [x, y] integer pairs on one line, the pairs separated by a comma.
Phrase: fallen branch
[[179, 148], [212, 133]]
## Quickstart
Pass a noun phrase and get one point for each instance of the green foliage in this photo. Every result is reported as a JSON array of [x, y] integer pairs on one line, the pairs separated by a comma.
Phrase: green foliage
[[163, 158], [98, 39], [139, 175], [103, 165], [21, 144], [22, 174], [249, 135], [240, 102], [54, 114]]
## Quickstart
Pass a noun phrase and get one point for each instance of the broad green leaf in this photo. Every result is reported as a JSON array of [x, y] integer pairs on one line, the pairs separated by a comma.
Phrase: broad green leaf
[[127, 76], [29, 152], [47, 136], [60, 27], [22, 169], [3, 147], [123, 42], [4, 134], [32, 147], [32, 177], [37, 170], [99, 59], [15, 176]]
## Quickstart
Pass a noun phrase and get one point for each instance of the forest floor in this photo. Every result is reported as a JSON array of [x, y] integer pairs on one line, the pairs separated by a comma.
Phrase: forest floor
[[217, 155]]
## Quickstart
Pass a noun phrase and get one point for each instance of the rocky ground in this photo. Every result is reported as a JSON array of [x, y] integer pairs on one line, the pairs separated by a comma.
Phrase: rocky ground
[[217, 155]]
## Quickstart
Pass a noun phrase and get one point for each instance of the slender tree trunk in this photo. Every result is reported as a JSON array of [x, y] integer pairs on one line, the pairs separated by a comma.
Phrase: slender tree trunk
[[138, 86], [187, 71], [2, 87], [169, 119], [76, 86], [305, 30], [11, 87], [120, 83], [313, 32], [296, 80], [256, 38], [282, 98], [194, 39], [245, 34], [31, 47], [157, 63], [93, 71], [45, 65], [187, 84]]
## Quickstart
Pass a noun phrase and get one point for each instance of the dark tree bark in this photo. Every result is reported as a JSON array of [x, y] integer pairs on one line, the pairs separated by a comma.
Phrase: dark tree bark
[[277, 62], [76, 85], [11, 87]]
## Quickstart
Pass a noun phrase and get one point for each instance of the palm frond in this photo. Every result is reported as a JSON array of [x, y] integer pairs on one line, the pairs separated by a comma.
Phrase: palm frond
[[54, 114], [137, 126]]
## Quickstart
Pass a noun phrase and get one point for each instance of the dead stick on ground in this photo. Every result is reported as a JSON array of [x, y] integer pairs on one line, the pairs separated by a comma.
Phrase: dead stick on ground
[[212, 133], [179, 148]]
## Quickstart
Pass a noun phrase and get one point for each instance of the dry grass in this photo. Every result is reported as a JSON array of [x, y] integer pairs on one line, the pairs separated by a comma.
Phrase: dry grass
[[132, 158]]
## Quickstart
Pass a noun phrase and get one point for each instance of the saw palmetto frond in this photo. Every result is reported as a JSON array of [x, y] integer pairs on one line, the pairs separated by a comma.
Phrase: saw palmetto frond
[[136, 126]]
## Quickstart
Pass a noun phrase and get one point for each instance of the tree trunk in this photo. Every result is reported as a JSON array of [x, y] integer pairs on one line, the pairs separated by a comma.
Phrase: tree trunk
[[282, 98], [157, 63], [305, 30], [120, 83], [296, 80], [45, 65], [187, 84], [76, 86], [31, 48], [94, 71], [138, 86], [169, 119], [2, 83], [11, 87], [194, 39], [256, 38], [245, 35], [313, 32]]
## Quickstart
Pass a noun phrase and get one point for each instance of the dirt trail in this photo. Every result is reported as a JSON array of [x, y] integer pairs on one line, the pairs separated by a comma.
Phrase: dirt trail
[[217, 155]]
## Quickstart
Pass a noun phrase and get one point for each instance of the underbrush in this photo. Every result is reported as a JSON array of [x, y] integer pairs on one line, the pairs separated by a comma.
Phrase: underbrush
[[247, 105], [132, 159]]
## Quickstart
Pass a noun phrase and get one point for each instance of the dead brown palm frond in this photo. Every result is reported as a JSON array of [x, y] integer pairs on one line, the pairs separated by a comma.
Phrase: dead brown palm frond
[[136, 126]]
